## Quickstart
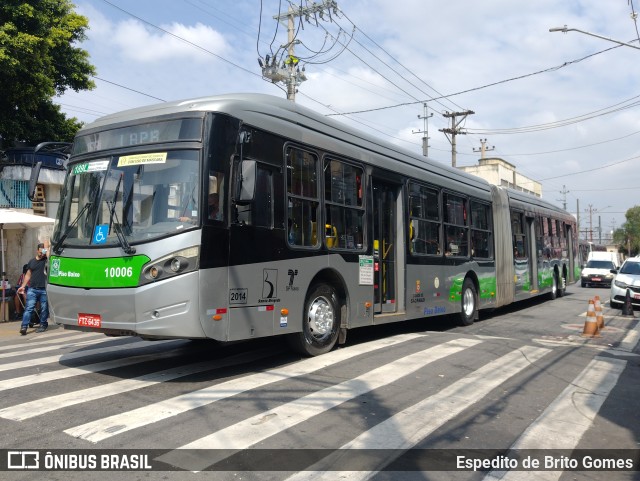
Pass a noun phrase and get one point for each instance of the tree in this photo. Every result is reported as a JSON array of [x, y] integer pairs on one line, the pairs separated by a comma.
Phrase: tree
[[39, 59], [628, 235]]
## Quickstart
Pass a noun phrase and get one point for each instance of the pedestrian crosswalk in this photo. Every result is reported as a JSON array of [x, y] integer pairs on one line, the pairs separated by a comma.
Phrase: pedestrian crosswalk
[[389, 395]]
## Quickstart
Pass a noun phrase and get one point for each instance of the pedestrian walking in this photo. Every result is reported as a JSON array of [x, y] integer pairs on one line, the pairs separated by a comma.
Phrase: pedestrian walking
[[36, 278]]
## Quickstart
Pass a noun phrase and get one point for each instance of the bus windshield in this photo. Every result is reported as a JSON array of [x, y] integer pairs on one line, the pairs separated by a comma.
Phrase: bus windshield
[[141, 197]]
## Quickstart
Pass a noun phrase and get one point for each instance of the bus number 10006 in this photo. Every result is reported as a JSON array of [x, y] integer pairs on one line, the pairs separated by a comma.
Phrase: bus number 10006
[[118, 271]]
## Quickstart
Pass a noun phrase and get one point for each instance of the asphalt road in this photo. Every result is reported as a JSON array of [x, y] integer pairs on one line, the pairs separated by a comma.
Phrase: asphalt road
[[401, 401]]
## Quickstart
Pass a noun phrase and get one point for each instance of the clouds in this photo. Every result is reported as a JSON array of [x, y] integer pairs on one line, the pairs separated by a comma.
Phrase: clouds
[[176, 42], [403, 53]]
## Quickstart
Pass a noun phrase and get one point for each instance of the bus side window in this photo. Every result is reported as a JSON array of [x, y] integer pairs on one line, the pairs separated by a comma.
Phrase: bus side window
[[259, 211]]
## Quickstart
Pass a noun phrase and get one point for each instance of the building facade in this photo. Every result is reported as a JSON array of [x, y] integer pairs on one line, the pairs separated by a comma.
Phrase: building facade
[[498, 171], [16, 165]]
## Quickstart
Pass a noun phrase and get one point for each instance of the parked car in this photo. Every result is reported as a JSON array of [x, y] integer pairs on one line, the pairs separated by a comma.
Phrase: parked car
[[627, 278], [597, 273]]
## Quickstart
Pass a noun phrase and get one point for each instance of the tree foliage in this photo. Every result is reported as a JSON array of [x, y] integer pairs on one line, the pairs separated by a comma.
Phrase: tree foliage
[[39, 59], [628, 235]]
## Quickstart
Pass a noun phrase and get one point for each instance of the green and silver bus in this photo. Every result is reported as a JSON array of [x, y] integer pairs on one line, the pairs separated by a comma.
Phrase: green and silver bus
[[243, 216]]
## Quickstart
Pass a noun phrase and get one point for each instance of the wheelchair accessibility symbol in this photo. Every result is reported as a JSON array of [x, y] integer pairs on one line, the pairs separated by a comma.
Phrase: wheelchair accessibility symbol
[[100, 234]]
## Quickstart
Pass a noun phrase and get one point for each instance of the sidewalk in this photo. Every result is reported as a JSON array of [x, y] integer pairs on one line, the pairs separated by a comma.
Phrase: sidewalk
[[9, 329]]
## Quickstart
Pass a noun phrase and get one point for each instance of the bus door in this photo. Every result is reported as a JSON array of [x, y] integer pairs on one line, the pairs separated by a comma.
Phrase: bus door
[[571, 254], [533, 252], [384, 248], [521, 254]]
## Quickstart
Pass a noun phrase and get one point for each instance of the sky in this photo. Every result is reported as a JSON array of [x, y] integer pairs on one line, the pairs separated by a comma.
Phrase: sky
[[558, 106]]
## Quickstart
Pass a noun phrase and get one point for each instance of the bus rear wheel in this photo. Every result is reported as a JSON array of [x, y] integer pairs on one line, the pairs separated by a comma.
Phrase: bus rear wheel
[[554, 287], [562, 285], [320, 324], [469, 303]]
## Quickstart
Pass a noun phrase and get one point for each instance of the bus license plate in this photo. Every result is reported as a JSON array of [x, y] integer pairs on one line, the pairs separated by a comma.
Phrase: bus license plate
[[89, 320]]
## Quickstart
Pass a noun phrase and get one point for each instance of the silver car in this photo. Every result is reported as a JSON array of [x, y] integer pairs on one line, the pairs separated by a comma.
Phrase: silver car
[[627, 278]]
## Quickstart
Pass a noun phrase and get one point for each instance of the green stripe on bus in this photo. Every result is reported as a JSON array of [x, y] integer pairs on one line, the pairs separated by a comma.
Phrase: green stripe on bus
[[487, 287], [108, 272]]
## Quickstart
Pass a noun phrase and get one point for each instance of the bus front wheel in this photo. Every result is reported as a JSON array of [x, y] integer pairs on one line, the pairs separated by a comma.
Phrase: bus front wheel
[[469, 303], [320, 324]]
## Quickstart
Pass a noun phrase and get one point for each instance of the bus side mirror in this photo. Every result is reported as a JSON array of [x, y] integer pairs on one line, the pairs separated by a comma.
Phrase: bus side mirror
[[247, 182], [33, 180]]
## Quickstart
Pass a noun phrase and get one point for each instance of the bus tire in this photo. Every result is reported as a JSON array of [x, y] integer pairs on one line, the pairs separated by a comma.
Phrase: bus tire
[[562, 286], [320, 322], [468, 303], [554, 287]]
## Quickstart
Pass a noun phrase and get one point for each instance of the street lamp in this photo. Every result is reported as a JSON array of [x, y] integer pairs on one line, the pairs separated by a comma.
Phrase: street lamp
[[565, 29]]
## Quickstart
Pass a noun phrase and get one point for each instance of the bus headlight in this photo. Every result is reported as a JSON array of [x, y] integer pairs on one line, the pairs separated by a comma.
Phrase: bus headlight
[[176, 263]]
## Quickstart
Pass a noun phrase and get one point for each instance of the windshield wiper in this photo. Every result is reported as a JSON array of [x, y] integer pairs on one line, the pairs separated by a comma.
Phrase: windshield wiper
[[58, 247], [117, 227]]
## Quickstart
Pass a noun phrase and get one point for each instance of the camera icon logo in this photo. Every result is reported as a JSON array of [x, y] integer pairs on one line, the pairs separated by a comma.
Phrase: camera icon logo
[[23, 460]]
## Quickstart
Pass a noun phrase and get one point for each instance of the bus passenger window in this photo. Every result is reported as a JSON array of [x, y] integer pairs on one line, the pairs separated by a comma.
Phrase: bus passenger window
[[302, 195], [302, 224], [259, 211], [344, 210]]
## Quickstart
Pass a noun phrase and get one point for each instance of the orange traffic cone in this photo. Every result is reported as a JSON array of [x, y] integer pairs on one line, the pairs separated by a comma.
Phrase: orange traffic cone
[[599, 314], [591, 324]]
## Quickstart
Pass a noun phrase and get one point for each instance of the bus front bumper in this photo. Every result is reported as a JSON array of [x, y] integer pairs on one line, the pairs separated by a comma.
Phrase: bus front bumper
[[147, 311]]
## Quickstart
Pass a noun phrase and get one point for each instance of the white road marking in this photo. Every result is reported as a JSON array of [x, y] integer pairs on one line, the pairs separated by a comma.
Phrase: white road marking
[[37, 407], [413, 424], [261, 426], [38, 361], [105, 428], [567, 418]]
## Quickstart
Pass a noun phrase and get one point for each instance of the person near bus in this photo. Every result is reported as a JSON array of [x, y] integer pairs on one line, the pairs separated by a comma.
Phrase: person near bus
[[36, 278], [213, 210], [214, 207], [20, 300]]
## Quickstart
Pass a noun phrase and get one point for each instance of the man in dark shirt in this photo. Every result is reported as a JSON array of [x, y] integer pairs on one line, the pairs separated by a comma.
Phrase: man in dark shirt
[[36, 278]]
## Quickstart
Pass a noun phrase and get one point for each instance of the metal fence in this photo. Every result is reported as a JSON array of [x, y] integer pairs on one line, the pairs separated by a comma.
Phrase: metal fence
[[13, 194]]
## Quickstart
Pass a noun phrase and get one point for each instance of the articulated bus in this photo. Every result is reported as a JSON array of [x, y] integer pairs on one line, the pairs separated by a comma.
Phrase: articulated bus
[[243, 216]]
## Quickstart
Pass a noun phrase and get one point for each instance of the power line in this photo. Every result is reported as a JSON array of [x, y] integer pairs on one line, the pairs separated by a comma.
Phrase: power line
[[592, 170], [182, 39], [128, 88], [394, 58]]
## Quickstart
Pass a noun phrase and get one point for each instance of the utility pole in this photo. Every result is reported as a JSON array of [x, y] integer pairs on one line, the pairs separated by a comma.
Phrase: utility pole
[[289, 72], [455, 130], [599, 230], [425, 137], [483, 148], [578, 217], [564, 193], [590, 209]]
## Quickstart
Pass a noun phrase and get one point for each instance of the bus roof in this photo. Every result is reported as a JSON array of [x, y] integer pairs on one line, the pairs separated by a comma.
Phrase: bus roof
[[278, 115]]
